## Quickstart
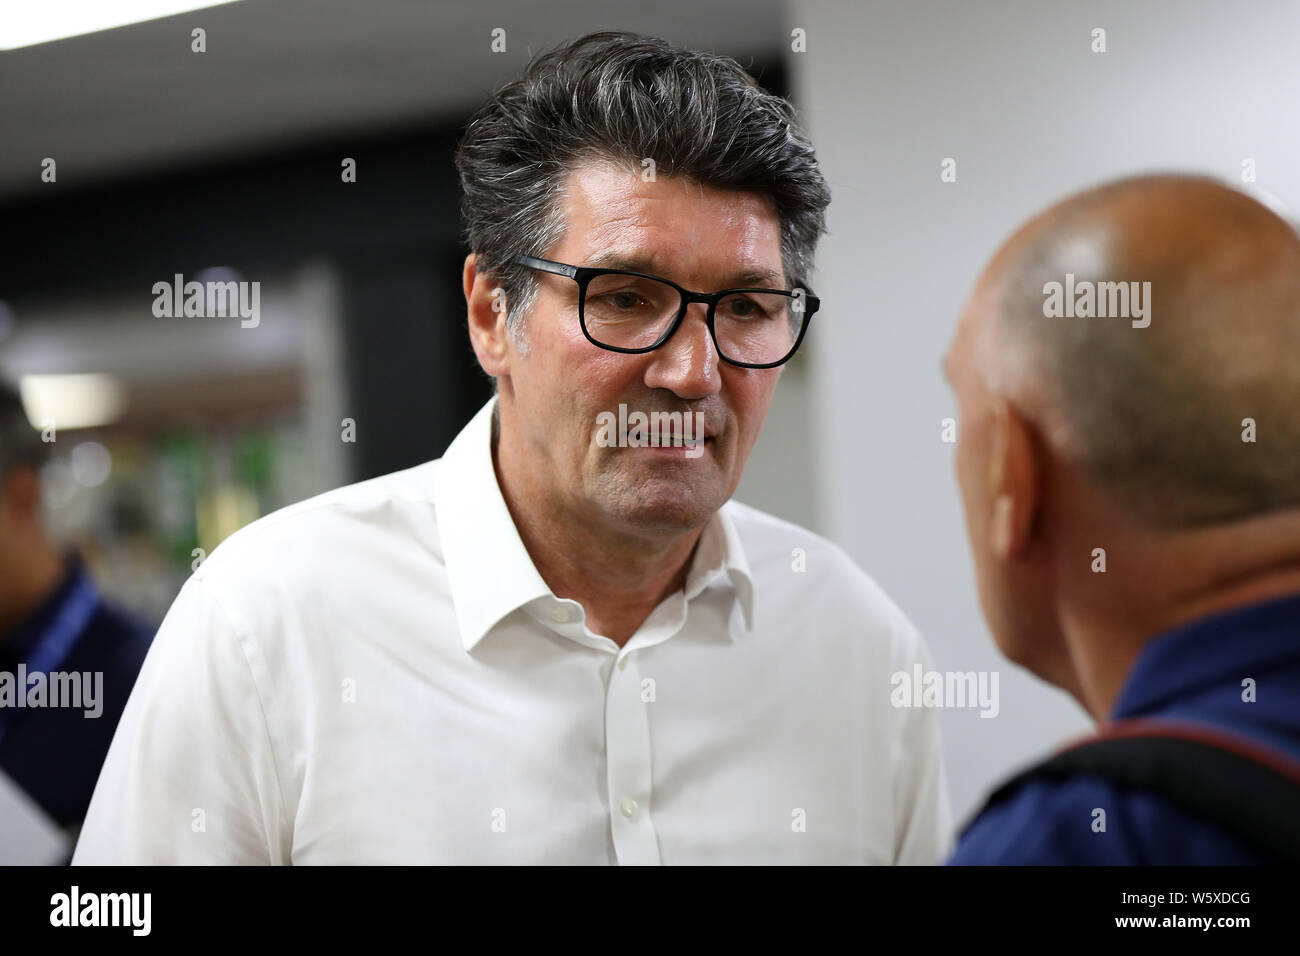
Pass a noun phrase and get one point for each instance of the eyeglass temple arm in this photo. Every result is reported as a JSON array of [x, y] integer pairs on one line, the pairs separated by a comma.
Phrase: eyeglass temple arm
[[546, 265]]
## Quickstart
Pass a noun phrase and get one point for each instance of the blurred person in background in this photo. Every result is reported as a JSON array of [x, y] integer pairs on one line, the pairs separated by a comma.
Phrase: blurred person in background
[[52, 621], [1131, 482], [548, 647]]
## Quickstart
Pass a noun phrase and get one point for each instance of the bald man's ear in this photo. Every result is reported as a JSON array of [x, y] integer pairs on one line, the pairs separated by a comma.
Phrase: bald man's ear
[[486, 306], [1014, 474]]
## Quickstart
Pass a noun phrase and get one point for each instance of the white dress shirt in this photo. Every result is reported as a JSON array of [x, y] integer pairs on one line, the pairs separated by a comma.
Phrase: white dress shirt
[[380, 675]]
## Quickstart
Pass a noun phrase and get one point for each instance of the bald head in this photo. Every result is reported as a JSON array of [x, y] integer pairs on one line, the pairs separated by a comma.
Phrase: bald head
[[1150, 403]]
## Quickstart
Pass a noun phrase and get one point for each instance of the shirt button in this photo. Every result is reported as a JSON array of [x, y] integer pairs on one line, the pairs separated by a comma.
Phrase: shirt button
[[622, 663], [628, 806], [559, 614]]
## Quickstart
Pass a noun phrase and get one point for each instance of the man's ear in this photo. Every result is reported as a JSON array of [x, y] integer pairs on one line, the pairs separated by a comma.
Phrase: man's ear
[[486, 305], [1014, 474]]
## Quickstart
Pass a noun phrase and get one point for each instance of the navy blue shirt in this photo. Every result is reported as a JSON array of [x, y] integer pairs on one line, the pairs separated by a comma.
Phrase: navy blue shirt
[[1194, 673], [55, 753]]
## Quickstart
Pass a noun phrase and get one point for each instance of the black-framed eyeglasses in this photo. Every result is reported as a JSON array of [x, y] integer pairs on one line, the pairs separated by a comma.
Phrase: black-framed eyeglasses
[[633, 312]]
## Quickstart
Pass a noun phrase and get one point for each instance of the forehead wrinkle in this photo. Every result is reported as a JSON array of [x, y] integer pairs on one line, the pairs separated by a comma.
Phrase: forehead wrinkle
[[621, 216], [623, 243]]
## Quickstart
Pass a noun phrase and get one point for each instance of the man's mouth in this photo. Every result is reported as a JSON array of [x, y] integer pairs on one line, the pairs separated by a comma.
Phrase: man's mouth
[[668, 444], [686, 434]]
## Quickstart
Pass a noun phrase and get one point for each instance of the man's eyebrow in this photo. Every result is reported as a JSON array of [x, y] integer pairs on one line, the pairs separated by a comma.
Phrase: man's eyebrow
[[757, 275], [637, 263], [619, 260]]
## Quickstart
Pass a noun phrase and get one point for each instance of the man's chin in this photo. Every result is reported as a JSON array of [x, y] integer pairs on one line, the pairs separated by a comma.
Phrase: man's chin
[[659, 505]]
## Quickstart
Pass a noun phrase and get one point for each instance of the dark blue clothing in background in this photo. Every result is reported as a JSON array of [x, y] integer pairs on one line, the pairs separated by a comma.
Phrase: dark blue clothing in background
[[55, 754], [1194, 673]]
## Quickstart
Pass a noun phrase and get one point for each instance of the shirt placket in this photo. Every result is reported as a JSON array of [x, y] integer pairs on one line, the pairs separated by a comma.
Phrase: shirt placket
[[627, 725], [627, 751]]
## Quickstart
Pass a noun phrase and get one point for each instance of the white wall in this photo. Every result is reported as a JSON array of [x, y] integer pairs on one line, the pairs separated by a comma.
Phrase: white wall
[[1014, 93]]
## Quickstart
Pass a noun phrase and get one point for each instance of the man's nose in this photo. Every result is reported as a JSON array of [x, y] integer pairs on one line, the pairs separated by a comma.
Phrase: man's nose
[[687, 363]]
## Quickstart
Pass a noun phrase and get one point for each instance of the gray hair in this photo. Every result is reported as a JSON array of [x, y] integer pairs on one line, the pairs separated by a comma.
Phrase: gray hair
[[627, 97]]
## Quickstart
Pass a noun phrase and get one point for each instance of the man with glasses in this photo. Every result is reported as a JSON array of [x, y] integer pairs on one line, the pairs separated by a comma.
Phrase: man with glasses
[[543, 647]]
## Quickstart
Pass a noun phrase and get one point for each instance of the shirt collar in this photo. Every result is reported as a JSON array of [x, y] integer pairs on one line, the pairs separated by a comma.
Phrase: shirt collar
[[720, 559], [490, 572], [1200, 653]]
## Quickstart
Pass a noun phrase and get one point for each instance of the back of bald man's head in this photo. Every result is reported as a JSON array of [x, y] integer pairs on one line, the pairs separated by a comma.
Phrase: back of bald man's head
[[1157, 415]]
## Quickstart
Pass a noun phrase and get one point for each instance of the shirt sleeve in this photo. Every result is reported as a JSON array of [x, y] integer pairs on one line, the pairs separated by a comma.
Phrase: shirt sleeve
[[923, 814], [191, 775]]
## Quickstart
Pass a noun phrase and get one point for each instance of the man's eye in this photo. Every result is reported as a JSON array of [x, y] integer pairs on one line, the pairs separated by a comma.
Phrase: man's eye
[[742, 308], [624, 301]]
